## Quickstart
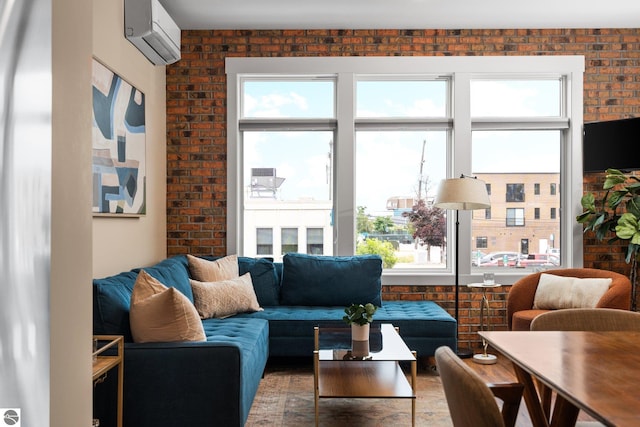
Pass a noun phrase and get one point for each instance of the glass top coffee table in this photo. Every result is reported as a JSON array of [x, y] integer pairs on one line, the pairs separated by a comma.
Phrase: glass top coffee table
[[346, 369]]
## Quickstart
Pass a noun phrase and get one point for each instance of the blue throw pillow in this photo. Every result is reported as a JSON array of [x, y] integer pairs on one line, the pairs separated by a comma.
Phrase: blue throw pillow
[[172, 272], [264, 279], [331, 280]]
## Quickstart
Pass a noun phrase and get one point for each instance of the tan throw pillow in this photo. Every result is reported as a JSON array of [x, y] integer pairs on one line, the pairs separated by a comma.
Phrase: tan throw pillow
[[161, 314], [224, 298], [204, 270], [557, 292]]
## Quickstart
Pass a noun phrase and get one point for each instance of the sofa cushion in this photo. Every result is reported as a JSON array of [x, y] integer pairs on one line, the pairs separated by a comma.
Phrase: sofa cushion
[[162, 314], [266, 282], [224, 298], [173, 272], [205, 270], [558, 292], [111, 300], [251, 337], [522, 319], [331, 280], [424, 325]]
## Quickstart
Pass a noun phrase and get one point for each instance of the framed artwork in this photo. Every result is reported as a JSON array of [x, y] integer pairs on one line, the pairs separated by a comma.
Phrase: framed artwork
[[119, 139]]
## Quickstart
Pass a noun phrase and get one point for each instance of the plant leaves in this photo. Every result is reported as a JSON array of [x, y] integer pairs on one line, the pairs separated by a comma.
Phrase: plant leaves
[[588, 202], [627, 228], [613, 178]]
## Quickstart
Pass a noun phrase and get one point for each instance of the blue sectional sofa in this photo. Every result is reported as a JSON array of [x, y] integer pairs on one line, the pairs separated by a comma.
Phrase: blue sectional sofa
[[214, 382]]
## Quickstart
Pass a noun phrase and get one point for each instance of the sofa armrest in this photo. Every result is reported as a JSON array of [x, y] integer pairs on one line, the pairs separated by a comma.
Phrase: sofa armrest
[[619, 294], [521, 295], [180, 384]]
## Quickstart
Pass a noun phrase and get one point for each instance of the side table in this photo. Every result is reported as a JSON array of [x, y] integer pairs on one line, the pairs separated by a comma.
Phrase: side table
[[102, 364], [484, 358]]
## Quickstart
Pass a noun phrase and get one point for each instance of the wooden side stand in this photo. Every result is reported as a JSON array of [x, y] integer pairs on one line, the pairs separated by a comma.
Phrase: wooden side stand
[[103, 364]]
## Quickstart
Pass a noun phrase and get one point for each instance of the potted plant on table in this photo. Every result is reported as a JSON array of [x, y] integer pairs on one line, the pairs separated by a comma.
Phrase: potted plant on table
[[359, 316], [617, 212]]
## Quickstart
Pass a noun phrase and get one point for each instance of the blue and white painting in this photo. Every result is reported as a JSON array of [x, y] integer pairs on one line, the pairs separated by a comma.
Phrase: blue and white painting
[[118, 145]]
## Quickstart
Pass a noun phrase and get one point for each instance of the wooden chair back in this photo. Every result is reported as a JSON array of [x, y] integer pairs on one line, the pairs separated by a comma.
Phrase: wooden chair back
[[587, 319], [471, 401]]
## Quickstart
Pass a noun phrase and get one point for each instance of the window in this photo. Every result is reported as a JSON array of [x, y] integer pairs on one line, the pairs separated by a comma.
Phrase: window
[[289, 237], [552, 213], [515, 217], [552, 189], [536, 213], [536, 189], [383, 129], [264, 239], [481, 242], [315, 241], [515, 193]]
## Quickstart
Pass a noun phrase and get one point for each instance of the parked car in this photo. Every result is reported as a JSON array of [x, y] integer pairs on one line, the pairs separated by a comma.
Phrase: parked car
[[537, 260], [495, 259]]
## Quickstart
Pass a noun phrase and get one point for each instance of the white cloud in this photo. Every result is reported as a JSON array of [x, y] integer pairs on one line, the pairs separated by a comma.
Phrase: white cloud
[[274, 105]]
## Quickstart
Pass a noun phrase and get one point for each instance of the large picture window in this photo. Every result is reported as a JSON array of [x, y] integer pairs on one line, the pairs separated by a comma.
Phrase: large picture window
[[352, 150]]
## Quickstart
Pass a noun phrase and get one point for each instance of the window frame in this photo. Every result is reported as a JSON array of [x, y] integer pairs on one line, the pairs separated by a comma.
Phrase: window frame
[[461, 70], [515, 220], [259, 244], [515, 192]]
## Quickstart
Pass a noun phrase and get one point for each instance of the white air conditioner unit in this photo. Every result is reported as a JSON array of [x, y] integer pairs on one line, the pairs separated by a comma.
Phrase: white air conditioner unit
[[150, 28]]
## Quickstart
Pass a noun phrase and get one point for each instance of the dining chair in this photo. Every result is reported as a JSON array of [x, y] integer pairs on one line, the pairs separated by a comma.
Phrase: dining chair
[[471, 401], [587, 319]]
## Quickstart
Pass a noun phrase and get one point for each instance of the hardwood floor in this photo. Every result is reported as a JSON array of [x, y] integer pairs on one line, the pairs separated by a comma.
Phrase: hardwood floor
[[285, 398]]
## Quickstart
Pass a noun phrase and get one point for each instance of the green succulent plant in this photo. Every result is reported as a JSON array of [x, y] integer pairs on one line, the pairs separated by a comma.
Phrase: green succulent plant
[[616, 214], [359, 314]]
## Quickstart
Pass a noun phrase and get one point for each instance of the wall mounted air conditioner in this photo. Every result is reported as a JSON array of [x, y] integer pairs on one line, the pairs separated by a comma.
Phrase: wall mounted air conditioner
[[150, 28]]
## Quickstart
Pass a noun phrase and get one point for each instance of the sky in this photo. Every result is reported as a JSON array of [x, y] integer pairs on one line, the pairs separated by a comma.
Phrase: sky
[[388, 163]]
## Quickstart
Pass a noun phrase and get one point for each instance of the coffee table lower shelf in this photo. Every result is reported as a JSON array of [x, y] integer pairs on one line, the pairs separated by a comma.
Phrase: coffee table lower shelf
[[366, 379]]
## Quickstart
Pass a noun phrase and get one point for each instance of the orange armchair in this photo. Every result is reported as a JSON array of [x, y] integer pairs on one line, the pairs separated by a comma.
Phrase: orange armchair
[[520, 310]]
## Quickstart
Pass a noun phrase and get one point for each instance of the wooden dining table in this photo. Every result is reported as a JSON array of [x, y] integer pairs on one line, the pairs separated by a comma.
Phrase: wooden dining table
[[597, 372]]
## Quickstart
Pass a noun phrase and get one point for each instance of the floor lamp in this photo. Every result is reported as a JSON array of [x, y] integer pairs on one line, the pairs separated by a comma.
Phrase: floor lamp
[[464, 193]]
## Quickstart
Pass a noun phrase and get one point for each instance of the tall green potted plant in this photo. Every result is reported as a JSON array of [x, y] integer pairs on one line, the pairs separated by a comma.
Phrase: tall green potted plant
[[617, 214]]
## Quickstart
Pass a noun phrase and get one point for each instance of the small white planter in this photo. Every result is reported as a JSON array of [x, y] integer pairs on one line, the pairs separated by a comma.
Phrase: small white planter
[[360, 332]]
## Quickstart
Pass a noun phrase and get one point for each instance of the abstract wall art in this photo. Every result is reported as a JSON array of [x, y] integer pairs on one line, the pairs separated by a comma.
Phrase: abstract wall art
[[119, 139]]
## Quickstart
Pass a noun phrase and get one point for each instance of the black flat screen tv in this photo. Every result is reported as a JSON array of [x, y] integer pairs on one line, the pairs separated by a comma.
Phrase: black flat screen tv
[[611, 144]]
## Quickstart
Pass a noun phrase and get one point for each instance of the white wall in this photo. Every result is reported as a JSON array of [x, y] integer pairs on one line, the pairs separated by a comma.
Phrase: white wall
[[120, 244]]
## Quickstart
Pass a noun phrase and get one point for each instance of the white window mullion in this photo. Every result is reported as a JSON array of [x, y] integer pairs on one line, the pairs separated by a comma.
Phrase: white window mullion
[[344, 165], [461, 164], [234, 167]]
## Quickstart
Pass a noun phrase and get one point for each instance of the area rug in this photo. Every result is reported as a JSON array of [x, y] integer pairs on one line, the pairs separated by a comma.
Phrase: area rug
[[285, 398]]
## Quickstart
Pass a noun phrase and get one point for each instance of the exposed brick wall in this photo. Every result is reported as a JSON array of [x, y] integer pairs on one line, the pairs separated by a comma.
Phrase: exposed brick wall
[[196, 118]]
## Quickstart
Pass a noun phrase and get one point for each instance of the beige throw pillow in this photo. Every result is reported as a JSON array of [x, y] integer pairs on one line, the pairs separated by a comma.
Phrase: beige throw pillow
[[161, 314], [224, 298], [557, 292], [204, 270]]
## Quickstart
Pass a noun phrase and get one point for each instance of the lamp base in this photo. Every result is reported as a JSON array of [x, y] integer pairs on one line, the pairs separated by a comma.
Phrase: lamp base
[[464, 353], [485, 359]]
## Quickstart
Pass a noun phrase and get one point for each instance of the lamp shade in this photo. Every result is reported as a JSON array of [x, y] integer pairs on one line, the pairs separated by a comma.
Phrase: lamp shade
[[462, 194]]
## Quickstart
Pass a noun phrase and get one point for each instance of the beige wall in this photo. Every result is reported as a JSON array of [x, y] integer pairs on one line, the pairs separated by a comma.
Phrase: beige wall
[[84, 247], [123, 243], [70, 295]]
